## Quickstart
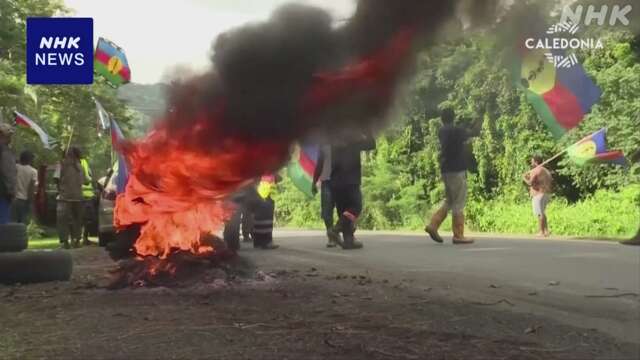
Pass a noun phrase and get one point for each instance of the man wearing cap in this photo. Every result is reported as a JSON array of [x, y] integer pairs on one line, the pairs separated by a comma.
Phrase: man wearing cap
[[8, 172]]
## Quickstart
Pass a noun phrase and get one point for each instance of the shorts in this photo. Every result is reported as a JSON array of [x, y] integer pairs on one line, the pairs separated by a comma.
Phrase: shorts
[[539, 204], [455, 188]]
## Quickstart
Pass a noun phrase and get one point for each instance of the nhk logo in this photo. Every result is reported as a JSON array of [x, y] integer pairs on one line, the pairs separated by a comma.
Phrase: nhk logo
[[59, 50]]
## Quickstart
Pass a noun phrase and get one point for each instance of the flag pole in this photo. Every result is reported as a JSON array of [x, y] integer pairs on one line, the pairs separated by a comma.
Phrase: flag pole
[[548, 160], [66, 151]]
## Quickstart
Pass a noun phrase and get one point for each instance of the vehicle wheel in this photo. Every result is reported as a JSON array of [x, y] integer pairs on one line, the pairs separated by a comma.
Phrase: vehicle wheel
[[13, 237], [105, 237], [35, 266]]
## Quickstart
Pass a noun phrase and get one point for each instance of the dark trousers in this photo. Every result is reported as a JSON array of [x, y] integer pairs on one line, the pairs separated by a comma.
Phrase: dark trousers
[[89, 215], [231, 233], [247, 222], [348, 198], [69, 216], [21, 211], [263, 214], [327, 204], [5, 211]]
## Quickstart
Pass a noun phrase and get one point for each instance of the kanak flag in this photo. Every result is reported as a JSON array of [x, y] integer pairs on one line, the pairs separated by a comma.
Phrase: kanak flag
[[24, 121], [593, 149], [111, 62], [302, 166]]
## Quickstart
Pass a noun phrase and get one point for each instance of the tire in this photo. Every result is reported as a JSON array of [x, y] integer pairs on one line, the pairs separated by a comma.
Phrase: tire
[[13, 237], [35, 266], [105, 238]]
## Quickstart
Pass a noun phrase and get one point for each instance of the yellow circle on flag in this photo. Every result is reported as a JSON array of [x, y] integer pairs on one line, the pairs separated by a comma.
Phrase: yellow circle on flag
[[538, 72], [586, 149], [115, 65]]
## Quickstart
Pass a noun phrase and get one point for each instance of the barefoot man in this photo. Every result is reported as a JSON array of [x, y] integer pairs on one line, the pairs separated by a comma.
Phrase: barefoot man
[[539, 180]]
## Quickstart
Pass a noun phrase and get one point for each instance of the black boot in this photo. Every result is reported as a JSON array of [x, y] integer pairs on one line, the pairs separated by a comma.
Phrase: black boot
[[348, 228]]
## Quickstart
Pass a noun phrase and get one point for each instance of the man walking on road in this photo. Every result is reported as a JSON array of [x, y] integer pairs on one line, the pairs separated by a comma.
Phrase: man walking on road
[[453, 166], [539, 180], [8, 172], [346, 176]]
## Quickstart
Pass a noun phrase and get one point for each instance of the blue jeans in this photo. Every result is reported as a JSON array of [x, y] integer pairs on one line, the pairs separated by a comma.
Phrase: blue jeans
[[5, 211], [327, 204]]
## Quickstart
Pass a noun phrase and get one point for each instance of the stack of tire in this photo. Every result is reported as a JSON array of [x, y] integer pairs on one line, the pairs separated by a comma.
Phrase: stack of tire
[[18, 265]]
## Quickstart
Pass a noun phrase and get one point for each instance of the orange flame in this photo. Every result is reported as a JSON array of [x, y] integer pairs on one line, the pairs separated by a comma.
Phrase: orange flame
[[178, 191]]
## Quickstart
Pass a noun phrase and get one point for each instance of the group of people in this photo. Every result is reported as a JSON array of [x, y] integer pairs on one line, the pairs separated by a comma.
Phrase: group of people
[[75, 202], [338, 174], [455, 160]]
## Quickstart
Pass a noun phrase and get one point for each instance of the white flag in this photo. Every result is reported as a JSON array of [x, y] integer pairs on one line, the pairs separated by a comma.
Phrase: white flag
[[103, 117], [22, 120]]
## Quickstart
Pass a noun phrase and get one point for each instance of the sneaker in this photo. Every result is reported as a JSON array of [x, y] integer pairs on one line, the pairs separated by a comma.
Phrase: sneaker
[[334, 238]]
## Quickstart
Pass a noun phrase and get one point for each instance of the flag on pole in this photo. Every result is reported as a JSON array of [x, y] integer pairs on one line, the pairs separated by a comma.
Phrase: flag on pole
[[561, 96], [111, 62], [593, 149], [302, 167], [24, 121], [122, 172], [104, 122]]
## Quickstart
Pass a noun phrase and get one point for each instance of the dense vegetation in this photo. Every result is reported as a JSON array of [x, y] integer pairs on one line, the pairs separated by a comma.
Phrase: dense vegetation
[[401, 182]]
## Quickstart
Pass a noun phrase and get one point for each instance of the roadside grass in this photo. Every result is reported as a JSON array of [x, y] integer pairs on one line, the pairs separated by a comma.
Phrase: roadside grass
[[44, 243], [51, 242]]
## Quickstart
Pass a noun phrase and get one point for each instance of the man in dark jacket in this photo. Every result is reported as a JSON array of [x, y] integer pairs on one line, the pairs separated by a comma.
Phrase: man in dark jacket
[[8, 172], [454, 163], [346, 176]]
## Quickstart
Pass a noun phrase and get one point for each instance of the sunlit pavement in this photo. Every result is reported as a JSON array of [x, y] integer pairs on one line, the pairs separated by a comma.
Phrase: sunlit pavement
[[591, 284]]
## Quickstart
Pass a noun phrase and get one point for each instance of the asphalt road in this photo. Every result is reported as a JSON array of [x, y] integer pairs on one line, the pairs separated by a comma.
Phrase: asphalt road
[[588, 284]]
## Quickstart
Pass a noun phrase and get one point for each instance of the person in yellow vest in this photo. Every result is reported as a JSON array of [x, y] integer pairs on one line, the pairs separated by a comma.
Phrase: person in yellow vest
[[89, 200]]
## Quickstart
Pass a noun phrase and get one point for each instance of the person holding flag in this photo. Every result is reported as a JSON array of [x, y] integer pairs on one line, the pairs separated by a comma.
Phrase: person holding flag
[[539, 180]]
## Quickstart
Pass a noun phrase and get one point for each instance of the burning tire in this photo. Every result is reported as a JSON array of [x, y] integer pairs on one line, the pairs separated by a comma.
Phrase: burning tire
[[13, 238], [35, 266]]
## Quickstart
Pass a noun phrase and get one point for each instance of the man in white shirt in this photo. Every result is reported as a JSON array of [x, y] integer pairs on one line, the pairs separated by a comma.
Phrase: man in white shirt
[[26, 185]]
